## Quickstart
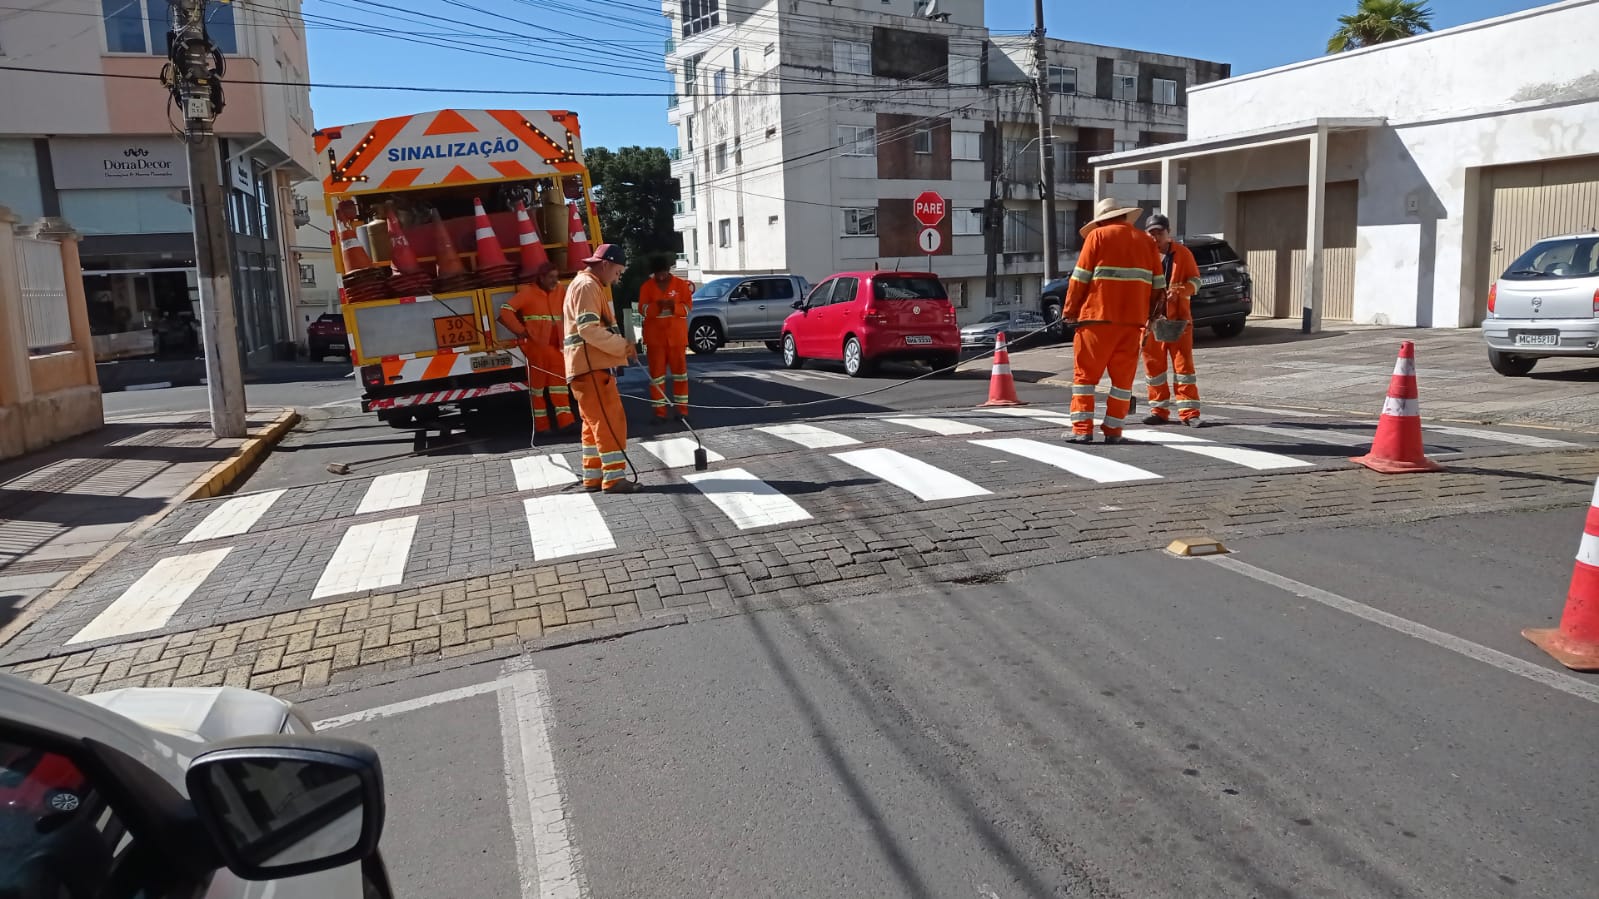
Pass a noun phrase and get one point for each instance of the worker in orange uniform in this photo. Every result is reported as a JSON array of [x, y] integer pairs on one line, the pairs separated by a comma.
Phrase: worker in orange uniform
[[664, 301], [1112, 293], [1182, 278], [594, 345], [534, 316]]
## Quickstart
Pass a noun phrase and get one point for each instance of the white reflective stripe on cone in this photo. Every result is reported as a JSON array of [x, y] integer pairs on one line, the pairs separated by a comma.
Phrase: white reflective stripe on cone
[[1595, 503], [1588, 550], [1402, 408], [1000, 368], [1404, 367]]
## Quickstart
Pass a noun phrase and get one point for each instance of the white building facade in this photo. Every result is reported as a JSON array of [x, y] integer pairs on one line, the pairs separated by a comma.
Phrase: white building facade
[[1392, 185], [806, 129]]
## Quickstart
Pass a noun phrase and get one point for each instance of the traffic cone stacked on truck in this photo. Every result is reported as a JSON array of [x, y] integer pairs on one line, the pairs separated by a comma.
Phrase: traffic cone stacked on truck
[[413, 278], [1575, 643], [492, 267], [577, 245], [532, 248], [355, 255], [1397, 448], [1001, 385], [453, 276], [362, 280]]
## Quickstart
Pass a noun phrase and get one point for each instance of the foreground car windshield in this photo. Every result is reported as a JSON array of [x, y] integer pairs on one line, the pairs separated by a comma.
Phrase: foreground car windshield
[[715, 290], [1571, 257], [908, 289]]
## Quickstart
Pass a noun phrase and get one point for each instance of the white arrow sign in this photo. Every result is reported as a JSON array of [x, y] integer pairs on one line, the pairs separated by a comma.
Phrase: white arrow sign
[[930, 240]]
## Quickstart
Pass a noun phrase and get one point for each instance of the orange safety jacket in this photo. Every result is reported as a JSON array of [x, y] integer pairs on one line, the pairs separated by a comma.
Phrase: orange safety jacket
[[665, 311], [592, 341], [1182, 274], [539, 312], [1116, 273]]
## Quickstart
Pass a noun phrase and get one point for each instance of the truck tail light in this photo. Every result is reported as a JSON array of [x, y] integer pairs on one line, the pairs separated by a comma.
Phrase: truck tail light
[[1493, 296], [372, 375]]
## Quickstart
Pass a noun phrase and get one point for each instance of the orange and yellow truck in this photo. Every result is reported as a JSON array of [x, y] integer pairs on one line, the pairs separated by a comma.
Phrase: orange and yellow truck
[[437, 218]]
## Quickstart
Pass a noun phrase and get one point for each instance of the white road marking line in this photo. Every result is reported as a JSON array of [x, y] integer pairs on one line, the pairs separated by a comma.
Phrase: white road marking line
[[677, 452], [233, 517], [750, 397], [566, 524], [1026, 412], [369, 556], [547, 860], [1501, 437], [746, 499], [946, 426], [1308, 435], [809, 436], [928, 482], [150, 601], [1256, 459], [1286, 413], [1548, 677], [406, 705], [1082, 464], [540, 472], [399, 490]]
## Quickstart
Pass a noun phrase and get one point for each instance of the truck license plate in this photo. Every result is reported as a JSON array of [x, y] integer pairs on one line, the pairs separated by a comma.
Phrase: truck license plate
[[490, 360], [1535, 338], [1208, 280], [453, 331], [919, 339]]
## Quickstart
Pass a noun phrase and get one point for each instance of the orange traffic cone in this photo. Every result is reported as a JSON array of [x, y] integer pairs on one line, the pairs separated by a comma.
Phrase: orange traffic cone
[[400, 252], [355, 257], [452, 275], [527, 237], [492, 267], [577, 246], [1397, 448], [1575, 643], [1001, 386]]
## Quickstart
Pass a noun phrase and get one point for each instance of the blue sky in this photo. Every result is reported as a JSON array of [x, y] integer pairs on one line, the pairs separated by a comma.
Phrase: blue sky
[[541, 44]]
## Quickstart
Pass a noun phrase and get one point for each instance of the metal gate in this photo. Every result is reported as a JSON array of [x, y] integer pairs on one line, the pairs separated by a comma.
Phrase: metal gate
[[1525, 204], [47, 321], [1271, 238]]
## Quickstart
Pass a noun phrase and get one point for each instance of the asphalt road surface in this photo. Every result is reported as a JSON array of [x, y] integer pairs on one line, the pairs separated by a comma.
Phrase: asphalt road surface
[[1346, 713]]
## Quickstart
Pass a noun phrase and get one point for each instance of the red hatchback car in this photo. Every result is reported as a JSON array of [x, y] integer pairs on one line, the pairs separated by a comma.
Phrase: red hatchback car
[[862, 318]]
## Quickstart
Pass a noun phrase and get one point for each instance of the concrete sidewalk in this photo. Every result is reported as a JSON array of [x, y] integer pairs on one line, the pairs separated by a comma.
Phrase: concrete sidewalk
[[63, 509], [1346, 369]]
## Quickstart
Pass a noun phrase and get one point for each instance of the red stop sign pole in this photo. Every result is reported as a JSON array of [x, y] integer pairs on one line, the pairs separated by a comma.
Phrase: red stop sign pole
[[930, 208]]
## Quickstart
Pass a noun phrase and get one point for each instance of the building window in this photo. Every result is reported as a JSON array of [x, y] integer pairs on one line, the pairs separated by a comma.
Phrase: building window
[[1122, 146], [720, 83], [1165, 92], [691, 242], [724, 233], [771, 220], [848, 56], [308, 274], [699, 15], [1124, 87], [1065, 229], [771, 130], [966, 221], [860, 222], [693, 190], [738, 151], [1021, 234], [688, 125], [966, 145], [721, 156], [769, 52], [922, 141], [741, 229], [857, 140], [965, 69], [736, 67], [140, 26], [1062, 80]]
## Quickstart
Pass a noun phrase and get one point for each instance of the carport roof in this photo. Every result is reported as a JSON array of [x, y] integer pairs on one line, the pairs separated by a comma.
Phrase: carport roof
[[1227, 143]]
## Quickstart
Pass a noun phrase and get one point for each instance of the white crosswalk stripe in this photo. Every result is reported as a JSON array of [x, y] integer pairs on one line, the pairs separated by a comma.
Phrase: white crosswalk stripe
[[399, 490], [948, 427], [1309, 435], [370, 556], [1501, 437], [1080, 463], [809, 436], [566, 525], [746, 500], [152, 599], [928, 482], [233, 517], [677, 452], [1258, 460], [542, 472]]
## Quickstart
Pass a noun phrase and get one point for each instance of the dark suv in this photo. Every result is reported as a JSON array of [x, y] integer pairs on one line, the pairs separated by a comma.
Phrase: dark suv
[[1225, 296]]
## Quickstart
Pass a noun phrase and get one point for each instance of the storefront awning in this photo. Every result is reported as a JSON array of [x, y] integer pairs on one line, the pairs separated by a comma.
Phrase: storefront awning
[[1152, 157]]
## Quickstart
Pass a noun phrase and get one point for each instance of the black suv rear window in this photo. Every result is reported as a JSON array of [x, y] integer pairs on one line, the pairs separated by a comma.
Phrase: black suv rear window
[[908, 289], [1213, 254]]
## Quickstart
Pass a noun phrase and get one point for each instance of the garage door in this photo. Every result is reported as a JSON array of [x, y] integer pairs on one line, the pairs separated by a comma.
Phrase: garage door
[[1271, 236], [1527, 203]]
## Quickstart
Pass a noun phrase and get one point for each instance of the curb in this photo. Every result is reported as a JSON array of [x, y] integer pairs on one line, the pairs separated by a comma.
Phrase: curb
[[217, 480]]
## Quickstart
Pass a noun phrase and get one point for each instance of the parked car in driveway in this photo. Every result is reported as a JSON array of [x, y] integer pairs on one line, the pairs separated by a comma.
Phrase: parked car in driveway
[[863, 318], [1023, 327], [1546, 304], [743, 308], [1225, 298], [326, 337]]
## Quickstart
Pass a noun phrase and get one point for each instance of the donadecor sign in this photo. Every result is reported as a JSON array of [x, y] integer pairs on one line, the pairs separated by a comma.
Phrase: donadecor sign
[[118, 162]]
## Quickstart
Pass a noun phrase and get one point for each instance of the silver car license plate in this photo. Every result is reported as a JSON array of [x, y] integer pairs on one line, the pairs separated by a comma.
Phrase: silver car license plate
[[1535, 338], [919, 339], [1208, 280], [490, 360]]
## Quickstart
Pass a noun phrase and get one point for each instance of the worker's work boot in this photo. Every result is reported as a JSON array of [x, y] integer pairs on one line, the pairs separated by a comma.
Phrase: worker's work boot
[[623, 487], [1114, 439], [1192, 423], [1074, 437], [1156, 420], [659, 421]]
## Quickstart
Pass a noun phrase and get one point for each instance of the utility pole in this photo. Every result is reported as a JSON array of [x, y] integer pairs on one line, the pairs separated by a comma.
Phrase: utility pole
[[194, 82], [1046, 143], [992, 220]]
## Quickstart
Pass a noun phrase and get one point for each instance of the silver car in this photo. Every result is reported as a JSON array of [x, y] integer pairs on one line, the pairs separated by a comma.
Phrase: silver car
[[1021, 326], [1546, 304], [743, 307]]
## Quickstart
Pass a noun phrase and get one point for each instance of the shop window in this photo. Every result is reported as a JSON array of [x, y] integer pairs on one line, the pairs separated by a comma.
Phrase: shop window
[[307, 274]]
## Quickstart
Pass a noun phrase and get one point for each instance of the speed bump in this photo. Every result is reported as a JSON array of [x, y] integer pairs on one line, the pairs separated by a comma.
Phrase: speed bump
[[1196, 546]]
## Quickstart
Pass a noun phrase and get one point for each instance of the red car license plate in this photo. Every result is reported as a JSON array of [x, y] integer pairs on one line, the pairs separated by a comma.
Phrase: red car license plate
[[919, 340]]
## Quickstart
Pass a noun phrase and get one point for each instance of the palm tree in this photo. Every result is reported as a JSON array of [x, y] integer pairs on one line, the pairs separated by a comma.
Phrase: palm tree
[[1378, 22]]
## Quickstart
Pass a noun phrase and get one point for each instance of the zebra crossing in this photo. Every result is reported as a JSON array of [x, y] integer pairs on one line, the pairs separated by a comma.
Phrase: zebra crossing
[[932, 458]]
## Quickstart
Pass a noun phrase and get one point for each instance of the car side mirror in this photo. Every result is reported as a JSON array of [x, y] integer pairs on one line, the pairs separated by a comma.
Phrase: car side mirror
[[798, 304], [285, 805]]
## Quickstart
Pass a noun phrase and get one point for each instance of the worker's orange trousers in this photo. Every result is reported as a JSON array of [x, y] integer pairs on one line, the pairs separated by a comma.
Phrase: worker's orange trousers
[[1097, 349], [1180, 352], [604, 429], [664, 356], [546, 372]]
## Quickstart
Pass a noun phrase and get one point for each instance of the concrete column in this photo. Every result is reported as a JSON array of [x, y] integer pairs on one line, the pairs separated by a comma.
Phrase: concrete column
[[16, 380], [1314, 219], [1168, 193]]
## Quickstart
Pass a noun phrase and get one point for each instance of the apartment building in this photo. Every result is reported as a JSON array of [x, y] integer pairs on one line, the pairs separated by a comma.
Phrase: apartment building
[[807, 128], [312, 255], [98, 150]]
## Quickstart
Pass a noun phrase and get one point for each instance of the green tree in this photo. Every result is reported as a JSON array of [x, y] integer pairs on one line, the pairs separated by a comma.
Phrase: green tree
[[634, 190], [1378, 22]]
